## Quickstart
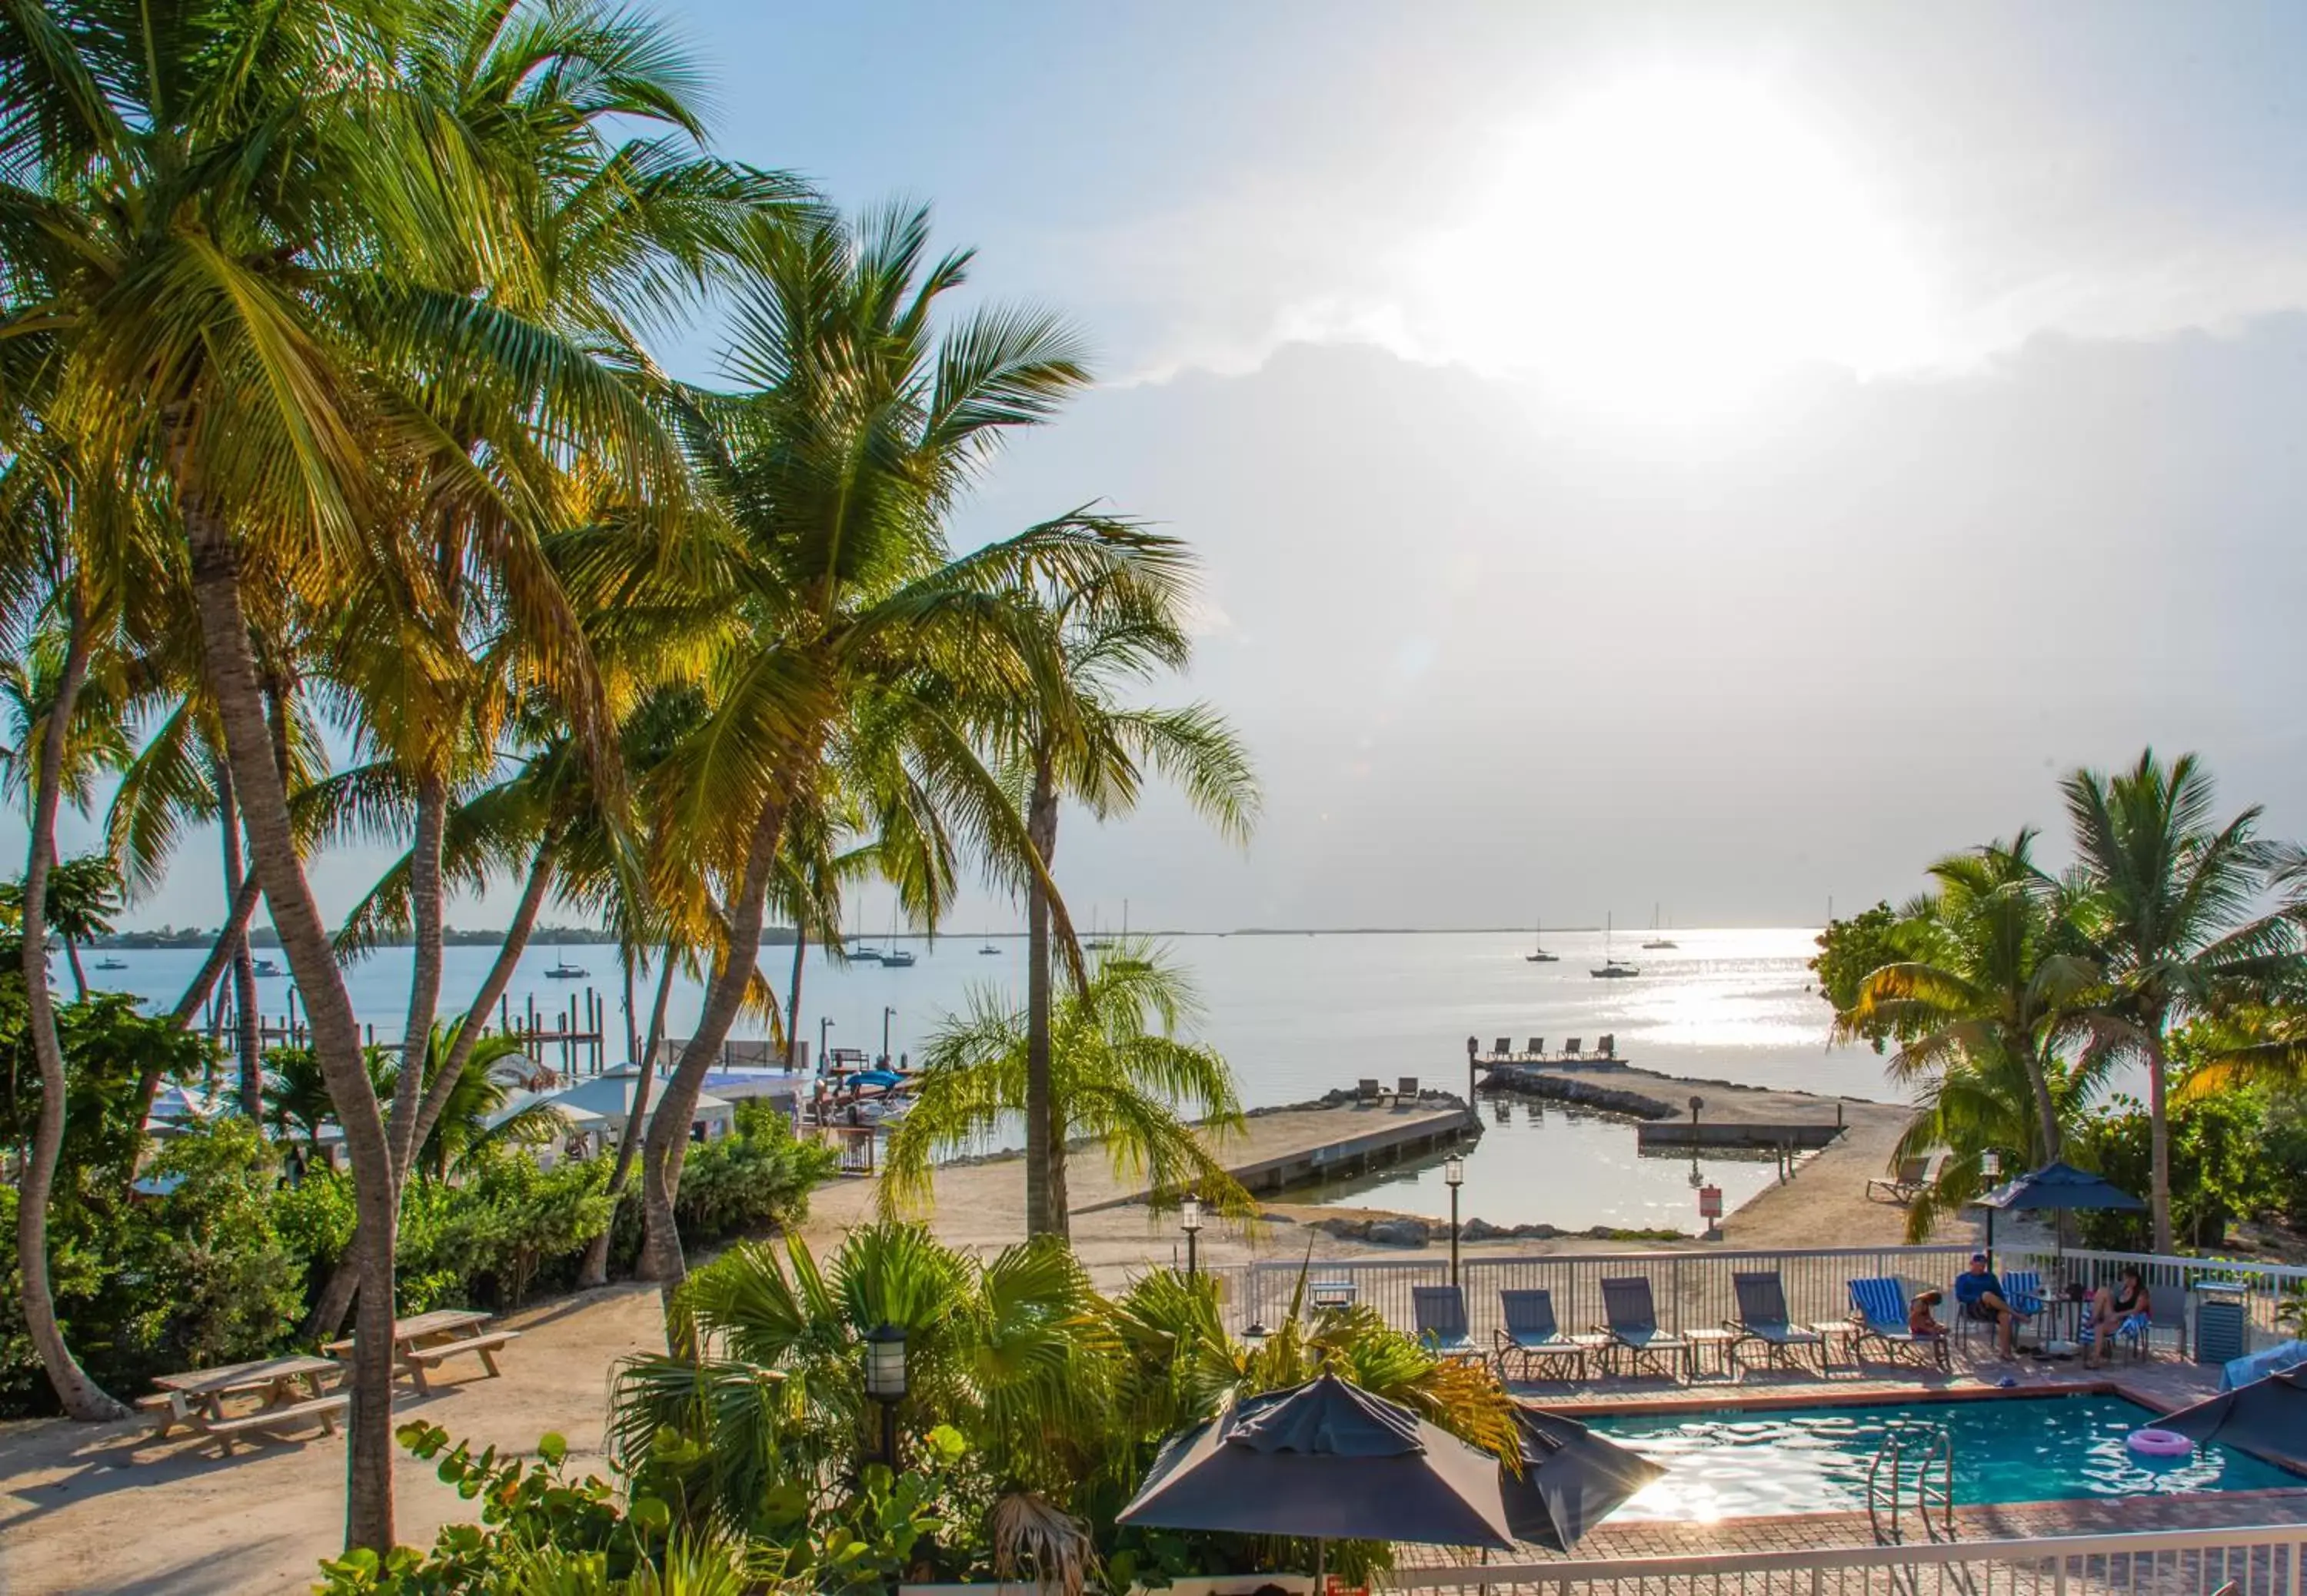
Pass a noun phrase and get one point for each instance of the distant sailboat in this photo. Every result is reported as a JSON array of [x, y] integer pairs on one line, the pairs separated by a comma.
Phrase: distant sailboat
[[1659, 939], [1538, 953], [562, 970], [1097, 944], [1611, 969], [988, 947], [896, 958], [112, 964]]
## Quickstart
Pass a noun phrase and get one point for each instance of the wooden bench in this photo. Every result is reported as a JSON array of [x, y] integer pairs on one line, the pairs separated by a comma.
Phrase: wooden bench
[[418, 1359], [323, 1408]]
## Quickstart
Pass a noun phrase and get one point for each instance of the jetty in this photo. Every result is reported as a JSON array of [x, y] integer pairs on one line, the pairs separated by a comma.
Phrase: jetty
[[1675, 1114]]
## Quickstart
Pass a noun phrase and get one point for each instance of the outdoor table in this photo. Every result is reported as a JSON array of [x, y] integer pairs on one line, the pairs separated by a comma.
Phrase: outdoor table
[[425, 1340], [287, 1390], [1717, 1343], [1830, 1331]]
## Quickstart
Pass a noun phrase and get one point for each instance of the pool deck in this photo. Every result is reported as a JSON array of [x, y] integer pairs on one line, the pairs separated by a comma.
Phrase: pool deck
[[2163, 1385]]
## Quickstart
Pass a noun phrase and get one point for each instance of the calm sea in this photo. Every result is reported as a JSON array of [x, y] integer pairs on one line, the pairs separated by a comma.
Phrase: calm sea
[[1298, 1015]]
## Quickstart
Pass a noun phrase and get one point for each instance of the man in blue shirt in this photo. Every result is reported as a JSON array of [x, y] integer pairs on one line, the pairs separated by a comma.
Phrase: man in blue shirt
[[1978, 1293]]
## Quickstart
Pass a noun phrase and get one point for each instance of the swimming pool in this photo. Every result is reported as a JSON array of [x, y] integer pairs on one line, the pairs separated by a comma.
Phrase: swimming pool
[[1743, 1463]]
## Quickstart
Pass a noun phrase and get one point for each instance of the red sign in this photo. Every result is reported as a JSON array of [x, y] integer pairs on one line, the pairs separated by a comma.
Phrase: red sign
[[1709, 1202]]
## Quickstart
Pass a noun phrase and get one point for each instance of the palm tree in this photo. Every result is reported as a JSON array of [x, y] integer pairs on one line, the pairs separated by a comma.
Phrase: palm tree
[[1084, 743], [1998, 974], [823, 607], [992, 1348], [1119, 1073], [254, 360], [2170, 910]]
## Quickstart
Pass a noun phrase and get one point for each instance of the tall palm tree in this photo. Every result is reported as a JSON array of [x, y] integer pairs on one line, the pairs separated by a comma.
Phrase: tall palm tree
[[1085, 744], [1998, 973], [2170, 909], [248, 235], [1120, 1073], [823, 603]]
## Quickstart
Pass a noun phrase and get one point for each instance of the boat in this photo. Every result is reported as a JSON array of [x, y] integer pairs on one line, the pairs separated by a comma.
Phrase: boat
[[562, 970], [897, 959], [988, 948], [1659, 939], [265, 966], [1538, 953], [112, 964], [1612, 970], [1097, 944]]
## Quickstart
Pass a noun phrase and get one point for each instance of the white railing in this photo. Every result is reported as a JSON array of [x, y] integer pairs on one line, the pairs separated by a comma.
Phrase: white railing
[[2256, 1561], [1691, 1290]]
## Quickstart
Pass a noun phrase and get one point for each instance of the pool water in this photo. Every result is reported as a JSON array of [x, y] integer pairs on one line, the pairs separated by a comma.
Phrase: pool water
[[1740, 1463]]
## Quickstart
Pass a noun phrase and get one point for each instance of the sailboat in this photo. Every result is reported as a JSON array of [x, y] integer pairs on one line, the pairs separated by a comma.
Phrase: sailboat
[[108, 963], [861, 952], [896, 958], [1659, 939], [1611, 969], [988, 947], [1097, 944], [1127, 962], [1538, 953]]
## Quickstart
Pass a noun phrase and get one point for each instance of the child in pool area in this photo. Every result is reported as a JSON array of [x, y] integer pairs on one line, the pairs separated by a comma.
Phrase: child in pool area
[[1920, 1320]]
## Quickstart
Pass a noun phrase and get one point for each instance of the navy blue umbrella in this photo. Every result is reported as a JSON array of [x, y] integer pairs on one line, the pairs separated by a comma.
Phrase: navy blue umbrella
[[2057, 1187], [1329, 1461]]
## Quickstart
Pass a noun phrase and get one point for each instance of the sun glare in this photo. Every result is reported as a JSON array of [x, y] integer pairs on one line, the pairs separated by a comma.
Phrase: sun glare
[[1664, 246]]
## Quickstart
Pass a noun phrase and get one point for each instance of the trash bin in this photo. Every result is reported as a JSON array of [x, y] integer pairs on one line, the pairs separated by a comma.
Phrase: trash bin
[[2221, 1323]]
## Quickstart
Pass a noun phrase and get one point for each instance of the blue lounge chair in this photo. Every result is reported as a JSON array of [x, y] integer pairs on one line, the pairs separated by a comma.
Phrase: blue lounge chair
[[1763, 1317], [1634, 1327], [1531, 1334], [1878, 1311], [1441, 1311], [2023, 1289]]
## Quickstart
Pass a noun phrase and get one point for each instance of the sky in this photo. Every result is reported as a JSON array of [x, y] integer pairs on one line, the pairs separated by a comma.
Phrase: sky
[[1721, 457]]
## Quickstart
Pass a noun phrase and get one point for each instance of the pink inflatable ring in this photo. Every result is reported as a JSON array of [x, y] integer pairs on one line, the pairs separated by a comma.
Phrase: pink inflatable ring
[[2159, 1443]]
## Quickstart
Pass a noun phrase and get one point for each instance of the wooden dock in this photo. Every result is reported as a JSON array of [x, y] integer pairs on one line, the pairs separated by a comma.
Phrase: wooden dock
[[1296, 1145]]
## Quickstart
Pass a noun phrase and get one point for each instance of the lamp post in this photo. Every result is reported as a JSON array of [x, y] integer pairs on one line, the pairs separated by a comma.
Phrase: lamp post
[[1189, 1219], [885, 1382], [1473, 1046], [1454, 1175], [886, 1014], [823, 1025], [1990, 1167]]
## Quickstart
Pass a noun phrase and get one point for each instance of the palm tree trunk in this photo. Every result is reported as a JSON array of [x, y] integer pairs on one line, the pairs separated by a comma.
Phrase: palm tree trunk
[[2046, 1111], [1045, 1212], [72, 957], [595, 1270], [500, 977], [793, 1003], [80, 1395], [2158, 1139], [264, 797], [667, 1139], [244, 969], [408, 1093], [235, 930]]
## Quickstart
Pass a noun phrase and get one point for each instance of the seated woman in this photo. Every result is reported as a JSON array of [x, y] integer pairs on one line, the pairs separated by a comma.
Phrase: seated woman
[[1920, 1320], [2113, 1308]]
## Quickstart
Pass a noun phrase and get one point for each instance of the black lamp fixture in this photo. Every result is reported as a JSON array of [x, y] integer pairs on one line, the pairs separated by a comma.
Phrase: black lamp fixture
[[885, 1381], [1454, 1175], [1189, 1220], [1990, 1170]]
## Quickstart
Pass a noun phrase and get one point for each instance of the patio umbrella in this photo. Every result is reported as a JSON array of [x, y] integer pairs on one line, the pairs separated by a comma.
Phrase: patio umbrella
[[1329, 1461], [2057, 1187], [1571, 1478], [2268, 1416]]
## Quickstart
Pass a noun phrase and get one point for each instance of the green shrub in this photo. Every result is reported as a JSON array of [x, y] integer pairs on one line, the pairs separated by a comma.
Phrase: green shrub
[[748, 1183], [2221, 1167]]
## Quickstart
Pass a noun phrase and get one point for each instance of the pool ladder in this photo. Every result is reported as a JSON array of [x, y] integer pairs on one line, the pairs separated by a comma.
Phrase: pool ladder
[[1912, 1480]]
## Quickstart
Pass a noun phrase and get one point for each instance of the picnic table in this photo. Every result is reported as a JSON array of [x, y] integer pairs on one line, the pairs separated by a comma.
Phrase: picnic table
[[425, 1341], [288, 1391]]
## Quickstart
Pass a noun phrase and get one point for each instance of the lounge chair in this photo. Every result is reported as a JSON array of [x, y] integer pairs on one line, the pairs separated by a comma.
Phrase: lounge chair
[[1441, 1312], [1913, 1174], [1405, 1090], [1634, 1327], [1878, 1313], [1368, 1090], [1607, 1048], [1537, 1048], [1531, 1334], [1570, 1048], [1504, 1049], [1763, 1317]]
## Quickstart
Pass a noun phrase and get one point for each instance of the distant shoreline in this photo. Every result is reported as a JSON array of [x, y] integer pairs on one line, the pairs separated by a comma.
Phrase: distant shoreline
[[782, 937]]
